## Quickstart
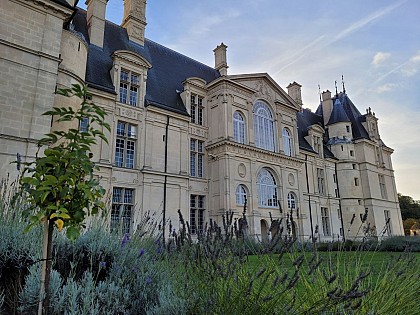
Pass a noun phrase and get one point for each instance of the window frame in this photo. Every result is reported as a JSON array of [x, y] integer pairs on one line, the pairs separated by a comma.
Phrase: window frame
[[388, 224], [382, 186], [241, 195], [325, 220], [267, 189], [125, 145], [291, 201], [287, 141], [123, 205], [197, 213], [320, 174], [197, 109], [239, 134], [264, 131], [196, 158], [130, 86]]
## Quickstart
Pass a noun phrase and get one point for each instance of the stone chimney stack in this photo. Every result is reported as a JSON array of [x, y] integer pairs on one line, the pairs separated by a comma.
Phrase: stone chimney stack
[[327, 106], [96, 21], [135, 20], [220, 59], [295, 92]]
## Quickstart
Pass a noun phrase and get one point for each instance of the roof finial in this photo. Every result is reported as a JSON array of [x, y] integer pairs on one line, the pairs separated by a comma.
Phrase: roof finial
[[319, 93], [342, 81], [336, 91]]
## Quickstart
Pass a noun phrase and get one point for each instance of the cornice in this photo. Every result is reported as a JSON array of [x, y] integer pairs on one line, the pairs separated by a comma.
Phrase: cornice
[[131, 57], [30, 51], [48, 6], [226, 146]]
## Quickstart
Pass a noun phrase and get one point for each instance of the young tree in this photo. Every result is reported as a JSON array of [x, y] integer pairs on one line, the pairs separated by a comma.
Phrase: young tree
[[59, 185]]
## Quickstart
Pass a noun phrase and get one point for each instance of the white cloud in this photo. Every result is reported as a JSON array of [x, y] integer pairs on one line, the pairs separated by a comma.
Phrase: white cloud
[[380, 57], [412, 66], [386, 87]]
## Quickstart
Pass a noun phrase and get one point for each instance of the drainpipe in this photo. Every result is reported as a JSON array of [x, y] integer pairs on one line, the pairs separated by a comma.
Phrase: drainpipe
[[166, 178], [339, 202], [309, 195]]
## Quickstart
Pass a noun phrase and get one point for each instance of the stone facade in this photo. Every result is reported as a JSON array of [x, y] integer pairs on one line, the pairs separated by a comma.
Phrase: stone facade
[[210, 145]]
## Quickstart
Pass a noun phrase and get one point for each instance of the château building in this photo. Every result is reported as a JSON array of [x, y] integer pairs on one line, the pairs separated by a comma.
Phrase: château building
[[188, 136]]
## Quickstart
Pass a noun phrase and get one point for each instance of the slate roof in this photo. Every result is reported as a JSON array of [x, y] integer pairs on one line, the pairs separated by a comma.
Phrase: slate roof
[[348, 109], [164, 80], [338, 113]]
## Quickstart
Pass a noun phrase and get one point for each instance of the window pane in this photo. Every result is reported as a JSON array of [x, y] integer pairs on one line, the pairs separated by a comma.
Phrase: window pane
[[121, 129], [124, 75], [119, 152], [134, 79], [130, 154], [133, 96], [123, 93]]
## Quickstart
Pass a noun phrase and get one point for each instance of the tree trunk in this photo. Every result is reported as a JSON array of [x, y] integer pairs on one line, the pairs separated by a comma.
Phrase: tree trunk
[[44, 293]]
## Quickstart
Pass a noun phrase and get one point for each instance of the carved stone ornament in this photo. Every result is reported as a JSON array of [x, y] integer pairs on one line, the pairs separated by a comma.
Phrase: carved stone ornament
[[291, 179], [242, 170], [264, 90]]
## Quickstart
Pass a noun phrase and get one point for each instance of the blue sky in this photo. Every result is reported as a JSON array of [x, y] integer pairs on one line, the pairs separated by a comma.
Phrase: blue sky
[[375, 44]]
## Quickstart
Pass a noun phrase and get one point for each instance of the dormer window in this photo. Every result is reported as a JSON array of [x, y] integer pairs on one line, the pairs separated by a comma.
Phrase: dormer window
[[129, 87], [317, 145], [196, 109]]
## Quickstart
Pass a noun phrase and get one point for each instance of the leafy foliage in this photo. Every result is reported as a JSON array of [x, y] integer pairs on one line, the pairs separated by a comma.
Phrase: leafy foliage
[[409, 207], [60, 185]]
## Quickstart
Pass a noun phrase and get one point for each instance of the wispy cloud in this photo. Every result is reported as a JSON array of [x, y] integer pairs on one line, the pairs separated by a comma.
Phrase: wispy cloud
[[386, 87], [319, 43], [380, 57], [365, 21], [412, 66]]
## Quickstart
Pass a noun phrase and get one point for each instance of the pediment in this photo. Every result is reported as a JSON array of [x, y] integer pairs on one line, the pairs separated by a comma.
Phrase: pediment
[[195, 81], [265, 88], [132, 58]]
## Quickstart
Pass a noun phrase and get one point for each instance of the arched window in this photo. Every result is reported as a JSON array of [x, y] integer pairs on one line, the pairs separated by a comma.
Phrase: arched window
[[287, 142], [263, 126], [238, 127], [267, 189], [291, 201], [240, 195]]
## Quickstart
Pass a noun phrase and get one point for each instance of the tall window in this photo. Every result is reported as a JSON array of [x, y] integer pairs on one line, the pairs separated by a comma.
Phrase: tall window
[[317, 145], [287, 142], [263, 126], [238, 127], [84, 124], [321, 181], [291, 201], [196, 109], [129, 87], [196, 214], [196, 157], [122, 208], [388, 222], [325, 218], [125, 145], [240, 195], [382, 187], [267, 189]]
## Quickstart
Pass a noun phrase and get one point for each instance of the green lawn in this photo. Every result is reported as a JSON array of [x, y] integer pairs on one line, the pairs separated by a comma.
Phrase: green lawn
[[349, 264]]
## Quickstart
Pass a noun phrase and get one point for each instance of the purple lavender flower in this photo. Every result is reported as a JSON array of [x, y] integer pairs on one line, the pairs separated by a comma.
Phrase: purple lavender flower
[[148, 280], [141, 252], [125, 239], [103, 264]]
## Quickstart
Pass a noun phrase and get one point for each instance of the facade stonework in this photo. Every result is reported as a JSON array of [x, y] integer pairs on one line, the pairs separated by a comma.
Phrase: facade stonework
[[189, 137]]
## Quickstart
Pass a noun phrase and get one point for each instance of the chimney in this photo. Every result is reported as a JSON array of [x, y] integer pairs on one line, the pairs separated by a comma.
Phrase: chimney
[[294, 91], [96, 21], [327, 106], [220, 59], [135, 20]]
